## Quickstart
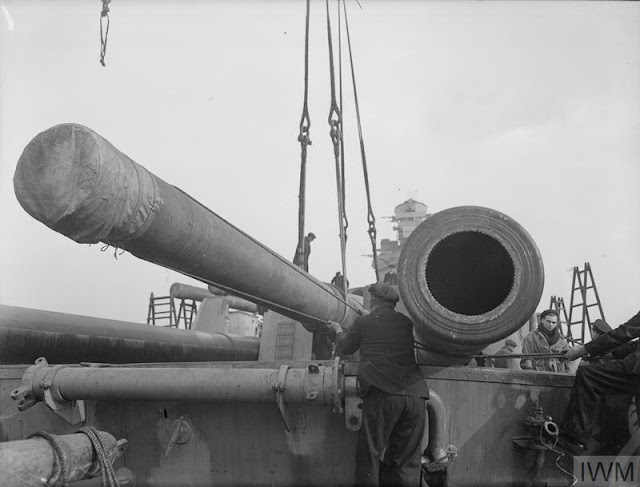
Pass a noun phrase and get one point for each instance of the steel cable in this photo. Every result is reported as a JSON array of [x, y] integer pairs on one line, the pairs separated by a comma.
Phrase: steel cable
[[371, 219], [335, 132], [344, 221]]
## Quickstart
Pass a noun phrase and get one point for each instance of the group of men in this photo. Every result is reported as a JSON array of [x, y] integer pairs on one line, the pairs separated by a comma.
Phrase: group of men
[[546, 338], [395, 392]]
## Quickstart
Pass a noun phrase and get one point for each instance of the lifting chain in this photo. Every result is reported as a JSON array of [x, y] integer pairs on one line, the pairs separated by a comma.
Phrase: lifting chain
[[345, 221], [335, 132], [305, 141]]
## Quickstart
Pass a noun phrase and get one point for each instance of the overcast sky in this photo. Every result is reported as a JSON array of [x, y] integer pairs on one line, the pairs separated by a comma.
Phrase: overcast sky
[[530, 108]]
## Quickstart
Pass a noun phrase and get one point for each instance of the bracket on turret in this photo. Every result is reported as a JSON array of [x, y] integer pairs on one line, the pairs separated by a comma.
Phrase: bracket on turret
[[73, 412], [348, 401], [352, 404]]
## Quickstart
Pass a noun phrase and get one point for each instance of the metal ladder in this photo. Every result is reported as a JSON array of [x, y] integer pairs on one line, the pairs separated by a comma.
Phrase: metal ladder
[[163, 309], [585, 306]]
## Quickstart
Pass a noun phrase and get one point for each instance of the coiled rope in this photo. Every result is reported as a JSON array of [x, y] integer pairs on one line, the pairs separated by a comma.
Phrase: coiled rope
[[59, 477], [109, 478]]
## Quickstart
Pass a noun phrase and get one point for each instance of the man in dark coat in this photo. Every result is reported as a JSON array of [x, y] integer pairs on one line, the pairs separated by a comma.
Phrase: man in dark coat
[[393, 389], [338, 280], [391, 277], [598, 379], [301, 259], [599, 327]]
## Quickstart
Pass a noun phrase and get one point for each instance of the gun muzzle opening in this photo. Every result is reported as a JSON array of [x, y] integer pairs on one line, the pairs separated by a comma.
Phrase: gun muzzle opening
[[469, 273]]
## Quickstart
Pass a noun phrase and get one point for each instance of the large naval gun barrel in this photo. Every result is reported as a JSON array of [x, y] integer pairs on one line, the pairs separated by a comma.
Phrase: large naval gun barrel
[[26, 334], [77, 183], [468, 276]]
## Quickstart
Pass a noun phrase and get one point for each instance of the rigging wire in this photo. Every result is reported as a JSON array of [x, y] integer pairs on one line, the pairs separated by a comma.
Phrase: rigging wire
[[335, 132], [343, 215], [305, 141], [371, 219]]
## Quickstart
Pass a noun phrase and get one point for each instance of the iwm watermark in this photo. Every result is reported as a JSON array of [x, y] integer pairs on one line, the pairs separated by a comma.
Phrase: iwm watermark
[[607, 471]]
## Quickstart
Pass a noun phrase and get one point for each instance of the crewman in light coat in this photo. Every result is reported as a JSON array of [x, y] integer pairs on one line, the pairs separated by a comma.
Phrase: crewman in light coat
[[545, 339]]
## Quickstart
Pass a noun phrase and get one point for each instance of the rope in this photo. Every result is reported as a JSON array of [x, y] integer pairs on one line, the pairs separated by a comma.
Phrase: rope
[[103, 35], [443, 463], [305, 141], [518, 355], [371, 219], [109, 478], [422, 346], [116, 247], [61, 475], [335, 132]]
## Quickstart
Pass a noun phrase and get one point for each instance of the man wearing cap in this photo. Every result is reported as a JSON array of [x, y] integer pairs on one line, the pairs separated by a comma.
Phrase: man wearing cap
[[599, 379], [599, 327], [301, 259], [505, 362], [393, 389]]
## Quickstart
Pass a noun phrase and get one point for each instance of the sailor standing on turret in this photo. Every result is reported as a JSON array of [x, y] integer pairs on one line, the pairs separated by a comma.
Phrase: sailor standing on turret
[[301, 258]]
